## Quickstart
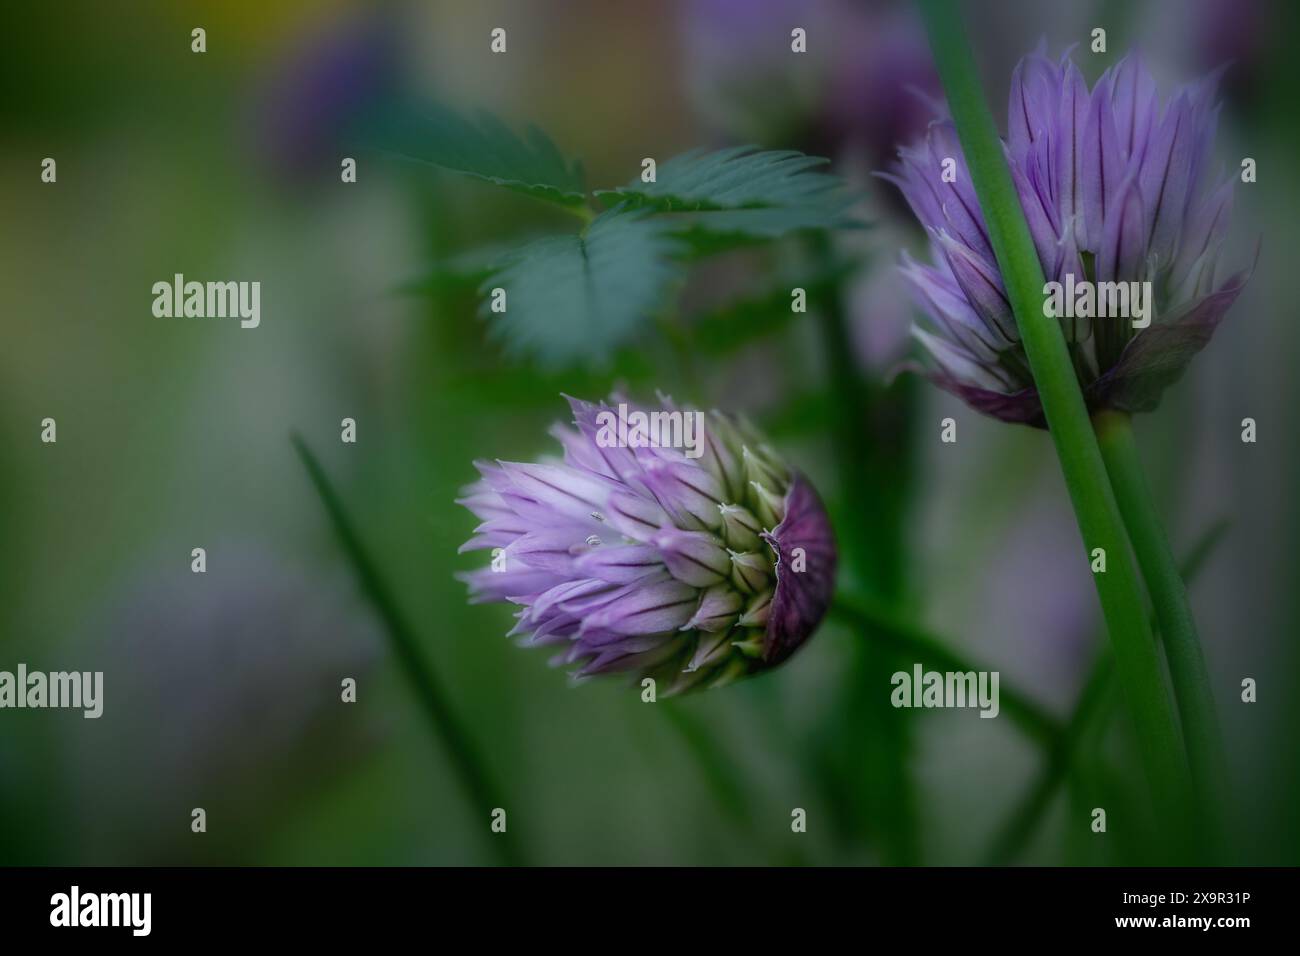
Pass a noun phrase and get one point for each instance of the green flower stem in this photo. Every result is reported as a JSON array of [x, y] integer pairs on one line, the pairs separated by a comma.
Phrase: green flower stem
[[474, 778], [872, 546], [1025, 816], [1095, 508], [731, 791], [1187, 668], [716, 766]]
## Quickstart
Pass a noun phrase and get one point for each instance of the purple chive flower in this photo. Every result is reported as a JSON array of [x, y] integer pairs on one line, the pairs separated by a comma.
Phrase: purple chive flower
[[693, 565], [1116, 189]]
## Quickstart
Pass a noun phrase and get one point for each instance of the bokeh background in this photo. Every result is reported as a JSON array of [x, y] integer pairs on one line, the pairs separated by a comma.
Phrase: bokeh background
[[222, 689]]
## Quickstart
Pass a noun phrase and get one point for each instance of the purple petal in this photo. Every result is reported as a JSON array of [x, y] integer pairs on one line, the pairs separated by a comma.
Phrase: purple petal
[[982, 285], [1136, 105], [740, 528], [1205, 228], [569, 491], [956, 362], [1022, 407], [687, 492], [1122, 255], [718, 459], [556, 597], [1035, 98], [1102, 168], [488, 586], [801, 597], [1071, 121], [579, 452], [635, 516], [619, 462], [663, 606], [1166, 178], [938, 294], [1068, 263], [957, 199], [1158, 355], [554, 551], [710, 649], [1040, 214], [497, 533], [697, 558], [717, 611], [619, 564], [621, 657]]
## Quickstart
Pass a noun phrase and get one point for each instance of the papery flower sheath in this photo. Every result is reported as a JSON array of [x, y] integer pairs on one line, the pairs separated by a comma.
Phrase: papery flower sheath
[[691, 566], [1115, 189]]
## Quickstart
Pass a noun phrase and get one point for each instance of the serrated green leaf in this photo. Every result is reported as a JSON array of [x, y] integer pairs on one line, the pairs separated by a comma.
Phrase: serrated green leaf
[[739, 177], [482, 147], [742, 195], [708, 233], [575, 299]]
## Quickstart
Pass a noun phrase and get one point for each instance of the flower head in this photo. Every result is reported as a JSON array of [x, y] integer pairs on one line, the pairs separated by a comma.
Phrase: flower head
[[1116, 190], [694, 566]]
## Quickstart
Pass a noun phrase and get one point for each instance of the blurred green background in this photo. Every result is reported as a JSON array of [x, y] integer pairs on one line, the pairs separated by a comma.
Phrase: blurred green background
[[221, 690]]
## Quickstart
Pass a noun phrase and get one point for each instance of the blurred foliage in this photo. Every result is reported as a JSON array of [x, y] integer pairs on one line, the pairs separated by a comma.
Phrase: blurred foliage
[[174, 434], [482, 147], [576, 298]]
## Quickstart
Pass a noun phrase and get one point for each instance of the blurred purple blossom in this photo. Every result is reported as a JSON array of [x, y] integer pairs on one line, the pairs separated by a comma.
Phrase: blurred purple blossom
[[861, 85], [312, 101], [646, 561], [1114, 188]]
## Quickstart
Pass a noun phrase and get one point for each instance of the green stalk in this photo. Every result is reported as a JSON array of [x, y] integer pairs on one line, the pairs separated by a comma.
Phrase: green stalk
[[725, 780], [1095, 508], [471, 770], [871, 545], [1023, 819], [1187, 668]]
